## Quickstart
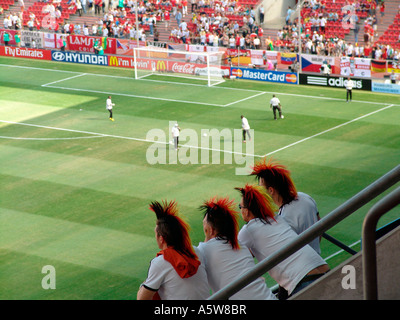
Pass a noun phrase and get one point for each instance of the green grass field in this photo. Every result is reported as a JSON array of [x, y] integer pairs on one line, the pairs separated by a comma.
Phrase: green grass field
[[75, 187]]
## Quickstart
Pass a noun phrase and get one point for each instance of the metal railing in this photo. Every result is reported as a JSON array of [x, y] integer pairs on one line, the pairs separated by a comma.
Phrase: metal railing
[[370, 281], [316, 230]]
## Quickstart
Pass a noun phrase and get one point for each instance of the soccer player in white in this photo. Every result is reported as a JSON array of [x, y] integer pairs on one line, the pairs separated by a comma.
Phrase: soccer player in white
[[177, 273], [225, 258], [109, 107], [349, 88], [266, 233], [275, 104], [175, 135], [245, 128]]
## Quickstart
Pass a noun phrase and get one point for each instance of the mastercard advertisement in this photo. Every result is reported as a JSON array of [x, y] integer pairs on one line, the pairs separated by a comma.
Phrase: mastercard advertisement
[[264, 75]]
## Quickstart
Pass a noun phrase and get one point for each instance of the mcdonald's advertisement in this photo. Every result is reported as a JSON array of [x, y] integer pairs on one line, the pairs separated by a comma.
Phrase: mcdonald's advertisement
[[165, 66]]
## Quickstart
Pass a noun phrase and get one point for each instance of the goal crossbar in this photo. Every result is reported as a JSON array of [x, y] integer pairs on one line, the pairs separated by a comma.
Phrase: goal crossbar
[[184, 64]]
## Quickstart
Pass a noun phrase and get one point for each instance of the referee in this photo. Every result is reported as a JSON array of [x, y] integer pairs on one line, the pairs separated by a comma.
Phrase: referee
[[275, 104]]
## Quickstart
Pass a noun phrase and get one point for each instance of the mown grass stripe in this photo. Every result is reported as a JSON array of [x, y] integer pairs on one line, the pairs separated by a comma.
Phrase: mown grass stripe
[[95, 247]]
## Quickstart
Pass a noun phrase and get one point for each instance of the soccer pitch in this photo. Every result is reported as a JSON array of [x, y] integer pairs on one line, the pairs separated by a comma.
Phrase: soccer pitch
[[75, 187]]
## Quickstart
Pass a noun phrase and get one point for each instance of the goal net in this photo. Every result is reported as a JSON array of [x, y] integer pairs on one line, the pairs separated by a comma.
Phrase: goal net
[[204, 67]]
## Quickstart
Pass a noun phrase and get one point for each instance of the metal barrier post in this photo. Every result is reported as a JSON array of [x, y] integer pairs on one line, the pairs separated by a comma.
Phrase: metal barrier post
[[370, 279]]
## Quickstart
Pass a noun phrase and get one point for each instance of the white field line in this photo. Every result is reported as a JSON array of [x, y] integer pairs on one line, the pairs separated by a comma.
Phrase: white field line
[[49, 139], [136, 96], [69, 78], [340, 251], [199, 147], [256, 95], [328, 130]]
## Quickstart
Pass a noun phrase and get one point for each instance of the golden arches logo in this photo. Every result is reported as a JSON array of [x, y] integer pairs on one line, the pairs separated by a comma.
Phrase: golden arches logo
[[161, 66], [113, 61]]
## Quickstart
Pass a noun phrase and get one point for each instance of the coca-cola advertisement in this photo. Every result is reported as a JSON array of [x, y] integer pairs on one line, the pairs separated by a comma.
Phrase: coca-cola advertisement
[[186, 68], [86, 44]]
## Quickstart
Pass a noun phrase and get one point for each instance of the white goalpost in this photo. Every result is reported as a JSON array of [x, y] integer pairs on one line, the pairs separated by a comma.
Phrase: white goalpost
[[205, 67]]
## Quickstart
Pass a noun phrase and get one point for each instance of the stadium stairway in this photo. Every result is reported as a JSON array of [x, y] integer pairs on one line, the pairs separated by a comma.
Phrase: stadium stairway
[[391, 9], [345, 282], [89, 18]]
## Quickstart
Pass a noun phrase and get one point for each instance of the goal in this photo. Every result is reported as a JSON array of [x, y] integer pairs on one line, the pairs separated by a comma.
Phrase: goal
[[203, 67]]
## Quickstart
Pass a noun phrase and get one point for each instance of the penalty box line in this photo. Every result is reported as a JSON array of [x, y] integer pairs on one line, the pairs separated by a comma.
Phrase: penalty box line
[[69, 78], [132, 95]]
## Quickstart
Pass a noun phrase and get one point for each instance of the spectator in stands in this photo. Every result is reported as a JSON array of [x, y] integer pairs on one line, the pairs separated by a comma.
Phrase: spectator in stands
[[194, 5], [393, 77], [17, 38], [349, 50], [288, 14], [225, 259], [261, 13], [79, 7], [91, 6], [232, 42], [178, 17], [297, 208], [22, 5], [382, 8], [177, 272], [97, 6], [264, 234], [6, 38], [167, 18]]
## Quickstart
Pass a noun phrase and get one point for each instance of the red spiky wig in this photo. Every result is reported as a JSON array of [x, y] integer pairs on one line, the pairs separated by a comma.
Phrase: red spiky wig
[[277, 176], [257, 200], [221, 214], [174, 230]]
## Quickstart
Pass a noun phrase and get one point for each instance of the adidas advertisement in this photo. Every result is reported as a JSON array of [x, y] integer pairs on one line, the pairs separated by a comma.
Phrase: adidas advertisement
[[336, 82]]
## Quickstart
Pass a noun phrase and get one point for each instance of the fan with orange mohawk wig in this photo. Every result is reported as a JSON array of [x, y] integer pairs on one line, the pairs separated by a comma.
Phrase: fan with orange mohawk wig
[[175, 231], [220, 213], [258, 202], [277, 176]]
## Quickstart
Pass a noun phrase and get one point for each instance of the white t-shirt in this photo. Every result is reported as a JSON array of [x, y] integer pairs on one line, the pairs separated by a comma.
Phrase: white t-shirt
[[349, 84], [109, 104], [163, 278], [264, 239], [175, 131], [224, 265], [245, 124], [275, 102], [301, 214]]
